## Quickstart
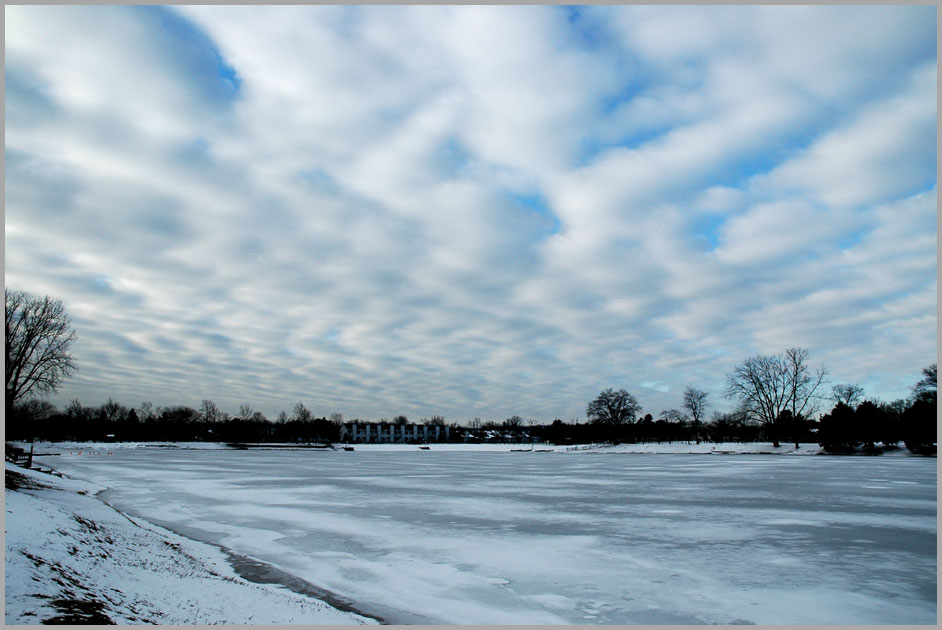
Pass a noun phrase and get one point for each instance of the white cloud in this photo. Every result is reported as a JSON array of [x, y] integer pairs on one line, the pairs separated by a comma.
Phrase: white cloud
[[101, 76], [355, 225], [887, 151], [772, 231]]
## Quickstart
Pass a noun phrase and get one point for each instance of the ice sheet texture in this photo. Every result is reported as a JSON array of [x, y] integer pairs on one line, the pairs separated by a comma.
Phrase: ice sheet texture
[[545, 538]]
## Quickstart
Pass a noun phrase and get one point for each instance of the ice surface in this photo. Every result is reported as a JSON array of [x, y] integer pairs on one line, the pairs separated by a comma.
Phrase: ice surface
[[545, 538]]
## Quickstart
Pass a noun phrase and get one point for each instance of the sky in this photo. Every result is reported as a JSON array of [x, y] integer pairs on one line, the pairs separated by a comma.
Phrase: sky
[[472, 211]]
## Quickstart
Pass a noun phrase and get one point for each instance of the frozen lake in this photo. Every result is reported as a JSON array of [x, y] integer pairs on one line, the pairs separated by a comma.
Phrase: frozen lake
[[547, 538]]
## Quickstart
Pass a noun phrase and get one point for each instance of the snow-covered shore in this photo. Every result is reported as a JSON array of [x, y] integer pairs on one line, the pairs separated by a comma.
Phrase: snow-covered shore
[[651, 448], [71, 558], [721, 448]]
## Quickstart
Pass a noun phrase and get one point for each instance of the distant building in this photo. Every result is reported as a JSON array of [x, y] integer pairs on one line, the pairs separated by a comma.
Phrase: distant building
[[393, 433]]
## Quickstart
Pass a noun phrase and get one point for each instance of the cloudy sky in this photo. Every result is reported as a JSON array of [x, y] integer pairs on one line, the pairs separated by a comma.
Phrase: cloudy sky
[[472, 211]]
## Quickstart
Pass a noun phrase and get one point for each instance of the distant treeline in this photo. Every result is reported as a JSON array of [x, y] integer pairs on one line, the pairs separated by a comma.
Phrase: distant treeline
[[116, 422], [846, 428], [777, 397], [113, 421]]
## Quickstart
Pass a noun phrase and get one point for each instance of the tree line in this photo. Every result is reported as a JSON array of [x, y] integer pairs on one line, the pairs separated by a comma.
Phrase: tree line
[[777, 398], [854, 425], [113, 421]]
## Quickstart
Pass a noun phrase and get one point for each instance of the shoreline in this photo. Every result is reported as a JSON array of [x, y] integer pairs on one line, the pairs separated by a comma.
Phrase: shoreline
[[264, 573], [73, 558], [260, 572], [534, 450]]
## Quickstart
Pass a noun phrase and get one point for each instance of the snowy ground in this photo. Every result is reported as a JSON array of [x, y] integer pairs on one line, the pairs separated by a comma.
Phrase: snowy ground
[[655, 447], [661, 448], [72, 559], [476, 537]]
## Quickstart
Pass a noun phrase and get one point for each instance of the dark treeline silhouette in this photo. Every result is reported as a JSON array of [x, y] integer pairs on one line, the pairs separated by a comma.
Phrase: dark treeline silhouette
[[868, 426], [848, 428], [844, 429], [672, 427], [113, 421], [777, 396]]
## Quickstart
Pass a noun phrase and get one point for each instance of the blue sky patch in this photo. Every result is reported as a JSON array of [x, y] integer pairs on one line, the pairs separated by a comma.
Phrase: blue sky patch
[[537, 203], [453, 157], [194, 53], [586, 27], [707, 227]]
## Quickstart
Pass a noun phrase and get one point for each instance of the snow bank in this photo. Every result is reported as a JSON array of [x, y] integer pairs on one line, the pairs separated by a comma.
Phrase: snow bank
[[723, 448], [58, 447], [733, 448], [665, 448], [71, 558]]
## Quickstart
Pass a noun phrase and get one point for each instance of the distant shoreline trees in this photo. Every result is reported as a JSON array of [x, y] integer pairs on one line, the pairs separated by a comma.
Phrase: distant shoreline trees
[[776, 395], [842, 430]]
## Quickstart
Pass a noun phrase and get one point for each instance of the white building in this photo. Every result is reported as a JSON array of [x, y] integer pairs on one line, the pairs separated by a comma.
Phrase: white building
[[391, 432]]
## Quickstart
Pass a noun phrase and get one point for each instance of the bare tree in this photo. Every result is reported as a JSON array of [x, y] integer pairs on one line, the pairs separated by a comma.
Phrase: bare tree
[[245, 413], [302, 413], [147, 411], [672, 415], [767, 385], [847, 393], [112, 411], [676, 421], [695, 403], [209, 411], [803, 383], [76, 412], [36, 410], [926, 388], [614, 408], [724, 426], [513, 422], [759, 383], [336, 418], [38, 335]]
